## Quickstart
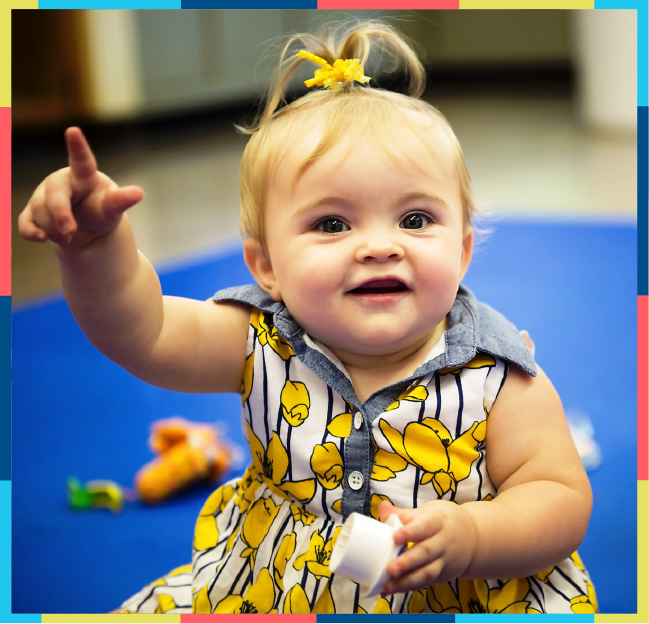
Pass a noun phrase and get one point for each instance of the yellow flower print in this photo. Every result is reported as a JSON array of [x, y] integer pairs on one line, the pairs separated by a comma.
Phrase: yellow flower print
[[268, 334], [246, 382], [442, 598], [482, 360], [506, 599], [544, 574], [417, 602], [302, 515], [284, 553], [272, 465], [381, 606], [246, 488], [295, 402], [258, 598], [256, 526], [325, 603], [585, 604], [181, 570], [386, 464], [579, 604], [576, 559], [296, 600], [318, 555], [327, 465], [476, 597], [165, 603], [206, 534], [201, 602], [338, 506], [340, 425], [429, 446], [416, 395], [374, 504]]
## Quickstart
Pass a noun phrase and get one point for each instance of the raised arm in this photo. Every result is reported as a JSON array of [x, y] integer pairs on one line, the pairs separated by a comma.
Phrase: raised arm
[[539, 516], [114, 292]]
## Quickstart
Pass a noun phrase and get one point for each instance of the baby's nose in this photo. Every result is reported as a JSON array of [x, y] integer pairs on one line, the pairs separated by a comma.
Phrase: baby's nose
[[379, 249]]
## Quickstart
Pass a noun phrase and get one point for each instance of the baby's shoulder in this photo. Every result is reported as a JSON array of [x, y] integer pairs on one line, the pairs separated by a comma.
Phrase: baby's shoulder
[[477, 325]]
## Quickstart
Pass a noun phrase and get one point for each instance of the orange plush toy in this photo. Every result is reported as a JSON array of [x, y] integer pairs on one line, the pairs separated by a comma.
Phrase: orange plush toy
[[187, 454]]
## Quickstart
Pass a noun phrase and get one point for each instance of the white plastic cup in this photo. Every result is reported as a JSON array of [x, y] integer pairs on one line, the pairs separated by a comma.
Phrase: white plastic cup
[[363, 550]]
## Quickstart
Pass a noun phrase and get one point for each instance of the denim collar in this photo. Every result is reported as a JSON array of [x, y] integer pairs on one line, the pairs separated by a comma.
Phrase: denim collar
[[472, 327]]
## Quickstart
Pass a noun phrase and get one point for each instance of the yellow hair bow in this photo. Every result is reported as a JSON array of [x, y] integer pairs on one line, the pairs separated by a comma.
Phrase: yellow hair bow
[[332, 76]]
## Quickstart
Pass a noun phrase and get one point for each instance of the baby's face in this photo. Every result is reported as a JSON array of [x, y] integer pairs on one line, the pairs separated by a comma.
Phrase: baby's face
[[367, 255]]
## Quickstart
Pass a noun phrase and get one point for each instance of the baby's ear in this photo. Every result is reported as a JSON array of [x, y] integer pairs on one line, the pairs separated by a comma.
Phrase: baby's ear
[[261, 268], [467, 251]]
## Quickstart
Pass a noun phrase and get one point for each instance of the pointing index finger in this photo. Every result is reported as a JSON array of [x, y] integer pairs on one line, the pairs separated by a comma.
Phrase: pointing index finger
[[82, 161]]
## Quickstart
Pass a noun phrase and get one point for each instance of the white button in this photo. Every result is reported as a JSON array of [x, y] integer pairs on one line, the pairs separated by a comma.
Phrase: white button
[[358, 420], [355, 480]]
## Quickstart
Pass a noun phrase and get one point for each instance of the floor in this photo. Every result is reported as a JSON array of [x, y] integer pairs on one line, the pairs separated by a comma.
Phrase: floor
[[528, 155]]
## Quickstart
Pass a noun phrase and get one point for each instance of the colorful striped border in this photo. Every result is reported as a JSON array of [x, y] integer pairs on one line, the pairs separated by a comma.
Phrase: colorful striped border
[[5, 302]]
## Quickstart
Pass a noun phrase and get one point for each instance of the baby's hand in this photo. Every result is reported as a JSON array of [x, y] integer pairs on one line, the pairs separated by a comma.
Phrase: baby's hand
[[77, 204], [444, 539]]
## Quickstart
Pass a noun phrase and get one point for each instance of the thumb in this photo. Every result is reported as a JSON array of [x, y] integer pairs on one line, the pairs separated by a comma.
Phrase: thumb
[[119, 199]]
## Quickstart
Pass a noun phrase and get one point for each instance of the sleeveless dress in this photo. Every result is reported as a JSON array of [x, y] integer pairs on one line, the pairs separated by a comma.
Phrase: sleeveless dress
[[263, 542]]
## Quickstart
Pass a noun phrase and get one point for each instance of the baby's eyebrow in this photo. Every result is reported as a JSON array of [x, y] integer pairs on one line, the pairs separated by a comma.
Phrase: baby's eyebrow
[[332, 201], [335, 201], [423, 195]]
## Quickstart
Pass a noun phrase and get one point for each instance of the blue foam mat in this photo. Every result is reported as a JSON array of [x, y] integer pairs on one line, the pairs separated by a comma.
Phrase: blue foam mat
[[75, 413]]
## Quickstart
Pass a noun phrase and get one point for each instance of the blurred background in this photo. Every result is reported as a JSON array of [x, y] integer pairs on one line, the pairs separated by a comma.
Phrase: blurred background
[[544, 104]]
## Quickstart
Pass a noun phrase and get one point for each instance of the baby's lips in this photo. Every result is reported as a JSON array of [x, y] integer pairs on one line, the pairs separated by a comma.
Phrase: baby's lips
[[388, 283]]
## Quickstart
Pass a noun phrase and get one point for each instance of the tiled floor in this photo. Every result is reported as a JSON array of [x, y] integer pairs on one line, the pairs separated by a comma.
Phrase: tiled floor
[[528, 156]]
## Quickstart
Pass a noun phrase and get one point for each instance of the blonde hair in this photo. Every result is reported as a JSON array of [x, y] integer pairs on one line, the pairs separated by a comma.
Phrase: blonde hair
[[354, 111]]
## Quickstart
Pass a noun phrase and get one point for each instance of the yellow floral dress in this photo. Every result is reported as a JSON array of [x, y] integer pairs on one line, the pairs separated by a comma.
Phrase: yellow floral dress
[[263, 542]]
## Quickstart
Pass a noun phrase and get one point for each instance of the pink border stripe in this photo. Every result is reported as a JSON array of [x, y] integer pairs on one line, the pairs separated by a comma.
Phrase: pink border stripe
[[643, 390], [5, 201], [387, 4], [276, 618]]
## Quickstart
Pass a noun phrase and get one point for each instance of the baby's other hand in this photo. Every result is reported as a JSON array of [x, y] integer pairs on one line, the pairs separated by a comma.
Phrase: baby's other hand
[[77, 204], [444, 542]]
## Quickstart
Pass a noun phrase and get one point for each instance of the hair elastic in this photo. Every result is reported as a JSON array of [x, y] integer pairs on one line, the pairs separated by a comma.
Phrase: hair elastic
[[333, 76]]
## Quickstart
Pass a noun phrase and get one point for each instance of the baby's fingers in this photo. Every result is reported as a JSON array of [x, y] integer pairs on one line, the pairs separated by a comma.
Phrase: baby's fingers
[[83, 166], [57, 207], [421, 577], [119, 199], [36, 222], [414, 557], [28, 228]]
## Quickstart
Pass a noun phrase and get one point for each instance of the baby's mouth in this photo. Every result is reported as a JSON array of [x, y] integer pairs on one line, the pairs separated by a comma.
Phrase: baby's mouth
[[380, 287]]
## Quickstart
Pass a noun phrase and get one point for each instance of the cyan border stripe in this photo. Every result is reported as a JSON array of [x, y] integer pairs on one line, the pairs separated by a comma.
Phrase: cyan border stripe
[[5, 558], [388, 617]]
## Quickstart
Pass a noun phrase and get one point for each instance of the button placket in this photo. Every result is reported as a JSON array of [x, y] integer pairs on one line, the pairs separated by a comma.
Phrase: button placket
[[355, 480], [357, 467]]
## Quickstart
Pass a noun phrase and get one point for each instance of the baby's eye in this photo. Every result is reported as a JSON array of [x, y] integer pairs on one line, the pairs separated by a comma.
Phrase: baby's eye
[[415, 221], [331, 225]]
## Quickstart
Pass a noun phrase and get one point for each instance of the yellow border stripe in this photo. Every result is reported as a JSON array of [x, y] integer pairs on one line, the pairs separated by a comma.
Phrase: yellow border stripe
[[111, 617], [534, 4], [643, 564], [5, 47]]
